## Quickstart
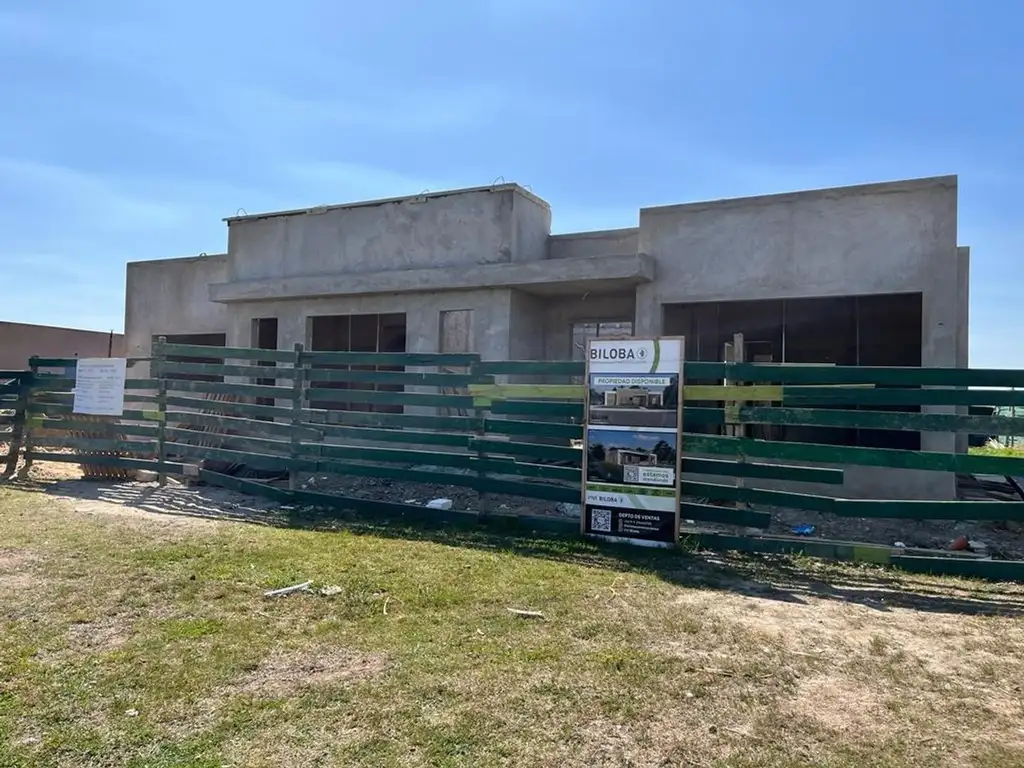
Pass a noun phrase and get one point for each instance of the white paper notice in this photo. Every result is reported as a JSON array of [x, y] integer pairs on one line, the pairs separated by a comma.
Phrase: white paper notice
[[99, 386]]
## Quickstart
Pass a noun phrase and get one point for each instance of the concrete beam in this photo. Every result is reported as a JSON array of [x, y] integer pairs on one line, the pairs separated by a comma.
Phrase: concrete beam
[[593, 273]]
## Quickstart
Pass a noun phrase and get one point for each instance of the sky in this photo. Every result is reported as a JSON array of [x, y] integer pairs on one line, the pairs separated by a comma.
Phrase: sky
[[128, 130]]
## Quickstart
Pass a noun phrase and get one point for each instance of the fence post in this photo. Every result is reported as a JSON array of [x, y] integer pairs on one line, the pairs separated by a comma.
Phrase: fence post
[[18, 427], [298, 387], [479, 411], [33, 366], [157, 371]]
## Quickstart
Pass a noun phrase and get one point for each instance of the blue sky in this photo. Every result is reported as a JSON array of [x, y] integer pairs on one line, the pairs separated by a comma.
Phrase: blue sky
[[130, 129]]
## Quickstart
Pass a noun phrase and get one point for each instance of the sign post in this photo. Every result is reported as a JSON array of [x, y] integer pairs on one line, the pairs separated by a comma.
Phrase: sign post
[[632, 427]]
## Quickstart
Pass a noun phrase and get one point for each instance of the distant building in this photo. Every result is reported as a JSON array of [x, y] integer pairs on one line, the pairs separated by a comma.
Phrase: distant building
[[633, 397], [20, 341], [624, 456]]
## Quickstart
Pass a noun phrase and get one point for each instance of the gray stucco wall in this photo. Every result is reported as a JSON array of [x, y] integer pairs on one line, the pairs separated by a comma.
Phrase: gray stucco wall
[[171, 296], [422, 314], [526, 327], [531, 228], [563, 311], [876, 238], [608, 242], [475, 227]]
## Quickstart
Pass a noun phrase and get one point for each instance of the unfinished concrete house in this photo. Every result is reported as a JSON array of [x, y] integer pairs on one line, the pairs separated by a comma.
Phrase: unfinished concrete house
[[862, 275]]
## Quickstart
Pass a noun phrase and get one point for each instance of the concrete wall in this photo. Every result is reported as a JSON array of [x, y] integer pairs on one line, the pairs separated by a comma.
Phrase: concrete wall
[[20, 341], [876, 238], [526, 327], [170, 296], [608, 242], [563, 311], [423, 318], [531, 218], [484, 226]]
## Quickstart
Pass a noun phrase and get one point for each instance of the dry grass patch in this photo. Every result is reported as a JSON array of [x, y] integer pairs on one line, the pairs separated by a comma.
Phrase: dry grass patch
[[285, 673], [143, 642]]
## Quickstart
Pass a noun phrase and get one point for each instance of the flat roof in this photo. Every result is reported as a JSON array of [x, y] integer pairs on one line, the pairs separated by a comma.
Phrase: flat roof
[[9, 323], [874, 188], [422, 196]]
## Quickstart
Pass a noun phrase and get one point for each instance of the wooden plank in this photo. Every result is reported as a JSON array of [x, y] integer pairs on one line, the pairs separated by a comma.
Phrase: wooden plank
[[532, 490], [217, 369], [218, 388], [529, 368], [392, 455], [841, 454], [709, 513], [123, 462], [243, 425], [483, 394], [234, 442], [536, 408], [732, 392], [111, 428], [224, 407], [914, 422], [533, 450], [766, 471], [534, 428], [780, 545], [397, 420], [66, 409], [228, 353], [249, 487], [411, 378], [249, 458], [61, 385], [991, 570], [53, 362], [788, 373], [94, 443], [410, 436], [930, 510], [420, 360], [315, 394], [506, 466], [391, 472], [810, 396], [758, 496]]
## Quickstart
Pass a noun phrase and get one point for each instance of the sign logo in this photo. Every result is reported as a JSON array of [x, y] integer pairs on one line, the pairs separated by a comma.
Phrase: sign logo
[[617, 353]]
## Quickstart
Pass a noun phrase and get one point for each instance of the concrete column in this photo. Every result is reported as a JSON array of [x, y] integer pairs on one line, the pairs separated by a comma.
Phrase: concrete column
[[940, 318], [963, 302], [648, 311]]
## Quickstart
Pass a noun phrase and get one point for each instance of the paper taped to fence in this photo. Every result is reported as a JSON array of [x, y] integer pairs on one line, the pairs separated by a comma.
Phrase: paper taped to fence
[[99, 386]]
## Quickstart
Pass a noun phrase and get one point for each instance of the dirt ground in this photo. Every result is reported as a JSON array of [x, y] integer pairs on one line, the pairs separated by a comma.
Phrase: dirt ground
[[1002, 540]]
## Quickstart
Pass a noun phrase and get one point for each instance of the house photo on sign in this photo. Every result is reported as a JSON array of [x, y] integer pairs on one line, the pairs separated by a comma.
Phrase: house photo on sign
[[631, 483]]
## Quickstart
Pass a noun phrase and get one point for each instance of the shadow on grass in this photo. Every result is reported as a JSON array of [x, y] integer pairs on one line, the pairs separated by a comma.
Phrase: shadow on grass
[[772, 577]]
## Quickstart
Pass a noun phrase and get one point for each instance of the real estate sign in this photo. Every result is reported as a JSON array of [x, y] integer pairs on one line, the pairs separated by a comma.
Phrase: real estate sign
[[631, 438]]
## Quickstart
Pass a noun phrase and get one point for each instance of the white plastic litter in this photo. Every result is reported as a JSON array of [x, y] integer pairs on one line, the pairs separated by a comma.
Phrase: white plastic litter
[[440, 504]]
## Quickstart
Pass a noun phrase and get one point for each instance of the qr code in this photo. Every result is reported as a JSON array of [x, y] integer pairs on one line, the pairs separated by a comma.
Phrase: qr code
[[631, 474], [601, 520]]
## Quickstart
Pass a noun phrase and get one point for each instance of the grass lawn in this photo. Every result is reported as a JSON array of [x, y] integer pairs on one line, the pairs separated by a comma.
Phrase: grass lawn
[[1015, 452], [137, 639]]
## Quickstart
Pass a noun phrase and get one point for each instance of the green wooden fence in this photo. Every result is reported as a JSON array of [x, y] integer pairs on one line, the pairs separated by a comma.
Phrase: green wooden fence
[[452, 419]]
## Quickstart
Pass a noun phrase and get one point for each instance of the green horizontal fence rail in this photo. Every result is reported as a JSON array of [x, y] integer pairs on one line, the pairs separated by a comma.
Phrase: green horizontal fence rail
[[454, 420]]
